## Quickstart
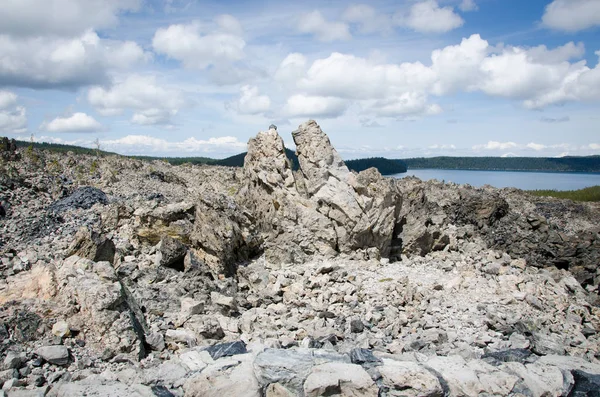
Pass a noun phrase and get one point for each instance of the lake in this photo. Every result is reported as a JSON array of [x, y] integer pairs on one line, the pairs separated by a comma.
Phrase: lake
[[520, 179]]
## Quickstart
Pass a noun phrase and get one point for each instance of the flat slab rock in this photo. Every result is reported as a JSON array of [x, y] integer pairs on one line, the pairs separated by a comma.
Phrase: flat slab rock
[[226, 349]]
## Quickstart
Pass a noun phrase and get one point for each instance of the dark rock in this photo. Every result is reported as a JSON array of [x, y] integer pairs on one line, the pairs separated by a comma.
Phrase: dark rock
[[586, 385], [509, 355], [226, 349], [92, 245], [356, 326], [84, 197], [26, 326], [363, 356], [2, 210], [161, 391], [171, 253]]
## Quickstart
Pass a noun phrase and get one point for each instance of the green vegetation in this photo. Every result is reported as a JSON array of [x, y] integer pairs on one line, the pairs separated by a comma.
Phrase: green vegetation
[[60, 148], [559, 164], [586, 194], [384, 166]]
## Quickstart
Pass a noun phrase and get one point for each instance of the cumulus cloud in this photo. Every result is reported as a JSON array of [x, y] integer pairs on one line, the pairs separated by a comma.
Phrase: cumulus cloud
[[314, 106], [50, 62], [536, 76], [77, 122], [151, 103], [314, 23], [200, 46], [468, 5], [250, 101], [572, 15], [13, 118], [146, 144], [428, 17], [60, 17]]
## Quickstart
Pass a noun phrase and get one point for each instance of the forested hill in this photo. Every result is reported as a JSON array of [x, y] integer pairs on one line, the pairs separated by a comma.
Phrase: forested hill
[[558, 164], [385, 166]]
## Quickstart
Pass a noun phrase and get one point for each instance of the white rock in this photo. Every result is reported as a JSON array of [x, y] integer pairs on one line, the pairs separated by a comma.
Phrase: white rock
[[344, 379], [410, 379]]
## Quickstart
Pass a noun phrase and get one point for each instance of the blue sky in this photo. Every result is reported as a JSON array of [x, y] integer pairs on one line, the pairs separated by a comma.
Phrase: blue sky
[[392, 78]]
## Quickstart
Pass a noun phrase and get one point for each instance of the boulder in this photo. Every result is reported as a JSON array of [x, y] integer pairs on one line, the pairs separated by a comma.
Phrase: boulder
[[339, 378], [287, 367], [92, 245], [236, 380], [409, 379], [58, 355], [84, 197], [170, 253]]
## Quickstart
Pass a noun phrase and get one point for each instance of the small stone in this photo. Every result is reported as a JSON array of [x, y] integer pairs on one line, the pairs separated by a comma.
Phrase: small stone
[[356, 326], [58, 355], [61, 329], [221, 299], [156, 341]]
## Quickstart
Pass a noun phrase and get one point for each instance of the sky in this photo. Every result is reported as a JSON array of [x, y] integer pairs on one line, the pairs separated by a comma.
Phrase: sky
[[399, 79]]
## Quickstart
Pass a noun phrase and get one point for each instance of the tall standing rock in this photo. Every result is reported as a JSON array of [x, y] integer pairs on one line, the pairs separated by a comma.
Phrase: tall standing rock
[[323, 209]]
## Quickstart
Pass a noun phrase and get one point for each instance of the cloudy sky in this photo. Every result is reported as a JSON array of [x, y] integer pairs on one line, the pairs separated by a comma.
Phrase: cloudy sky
[[401, 78]]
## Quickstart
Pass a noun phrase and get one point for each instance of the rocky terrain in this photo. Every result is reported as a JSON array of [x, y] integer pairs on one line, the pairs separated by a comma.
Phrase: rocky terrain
[[129, 278]]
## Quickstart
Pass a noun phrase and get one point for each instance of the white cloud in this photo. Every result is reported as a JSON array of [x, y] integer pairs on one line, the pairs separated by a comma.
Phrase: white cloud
[[141, 144], [594, 146], [151, 103], [495, 145], [13, 118], [537, 76], [442, 147], [78, 122], [572, 15], [60, 17], [408, 104], [7, 99], [314, 23], [428, 17], [567, 52], [50, 62], [468, 5], [251, 102], [291, 69], [367, 19], [536, 146], [314, 106], [199, 46]]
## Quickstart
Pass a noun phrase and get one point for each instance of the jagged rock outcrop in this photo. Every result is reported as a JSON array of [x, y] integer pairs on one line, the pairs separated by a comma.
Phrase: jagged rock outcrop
[[322, 209]]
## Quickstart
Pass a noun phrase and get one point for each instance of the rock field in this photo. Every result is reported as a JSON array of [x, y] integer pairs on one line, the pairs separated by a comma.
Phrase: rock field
[[121, 277]]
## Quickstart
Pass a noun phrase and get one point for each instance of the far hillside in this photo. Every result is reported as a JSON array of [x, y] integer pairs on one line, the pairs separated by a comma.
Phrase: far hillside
[[384, 166], [554, 164]]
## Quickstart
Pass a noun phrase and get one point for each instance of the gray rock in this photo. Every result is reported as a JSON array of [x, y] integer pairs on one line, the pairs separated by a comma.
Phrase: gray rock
[[363, 356], [518, 355], [98, 388], [356, 326], [58, 354], [171, 253], [14, 360], [226, 349], [92, 245], [288, 367], [156, 341]]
